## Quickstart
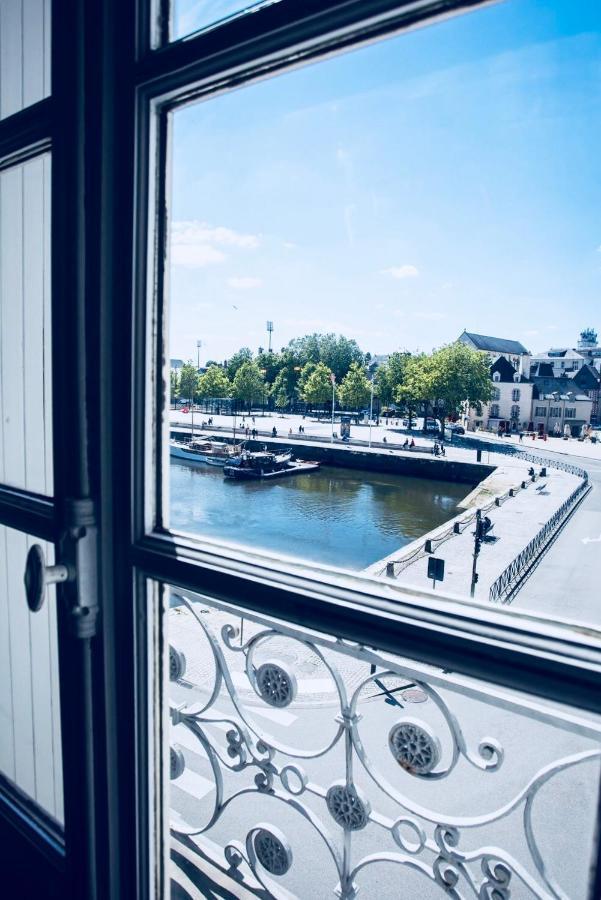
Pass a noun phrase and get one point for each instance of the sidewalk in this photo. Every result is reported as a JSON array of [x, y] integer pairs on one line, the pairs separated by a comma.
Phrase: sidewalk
[[515, 523]]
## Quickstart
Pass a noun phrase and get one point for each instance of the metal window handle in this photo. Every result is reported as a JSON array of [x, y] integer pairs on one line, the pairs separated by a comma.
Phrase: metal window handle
[[38, 576]]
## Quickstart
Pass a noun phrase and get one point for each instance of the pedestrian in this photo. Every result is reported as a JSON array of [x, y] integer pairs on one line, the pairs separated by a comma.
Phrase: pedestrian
[[274, 432], [406, 443], [412, 444], [521, 436], [253, 418], [290, 432], [442, 450], [384, 440]]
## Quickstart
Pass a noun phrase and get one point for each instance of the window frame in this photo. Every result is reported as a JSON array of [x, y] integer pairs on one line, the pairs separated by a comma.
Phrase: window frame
[[552, 660]]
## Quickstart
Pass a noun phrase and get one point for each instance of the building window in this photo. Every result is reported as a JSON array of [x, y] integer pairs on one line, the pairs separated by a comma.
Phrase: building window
[[496, 376], [540, 411], [555, 411], [515, 394], [570, 412], [496, 394], [494, 411], [515, 412]]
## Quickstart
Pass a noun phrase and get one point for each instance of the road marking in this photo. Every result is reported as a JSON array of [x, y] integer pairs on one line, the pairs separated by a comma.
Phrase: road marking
[[588, 540]]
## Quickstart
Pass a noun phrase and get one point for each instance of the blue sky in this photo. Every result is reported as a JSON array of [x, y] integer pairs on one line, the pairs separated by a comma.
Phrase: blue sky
[[445, 179]]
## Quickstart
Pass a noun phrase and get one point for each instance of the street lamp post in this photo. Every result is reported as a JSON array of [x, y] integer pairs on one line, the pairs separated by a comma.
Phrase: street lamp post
[[198, 346], [269, 332], [333, 380], [371, 409]]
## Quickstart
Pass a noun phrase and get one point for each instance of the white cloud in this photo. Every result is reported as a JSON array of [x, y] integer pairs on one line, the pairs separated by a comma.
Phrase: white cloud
[[244, 282], [195, 256], [532, 333], [290, 245], [196, 244], [406, 271]]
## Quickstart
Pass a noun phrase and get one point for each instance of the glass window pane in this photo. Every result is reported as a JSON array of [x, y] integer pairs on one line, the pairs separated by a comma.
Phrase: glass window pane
[[24, 54], [30, 737], [349, 284], [190, 16], [302, 764], [25, 327]]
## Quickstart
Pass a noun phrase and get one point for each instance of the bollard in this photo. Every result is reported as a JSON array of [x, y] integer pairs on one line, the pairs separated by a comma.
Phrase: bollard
[[390, 570], [497, 501], [456, 528], [478, 455], [511, 492], [523, 485], [543, 472], [428, 546]]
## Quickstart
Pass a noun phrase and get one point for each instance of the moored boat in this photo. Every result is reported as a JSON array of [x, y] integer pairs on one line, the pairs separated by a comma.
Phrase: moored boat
[[264, 464], [211, 450]]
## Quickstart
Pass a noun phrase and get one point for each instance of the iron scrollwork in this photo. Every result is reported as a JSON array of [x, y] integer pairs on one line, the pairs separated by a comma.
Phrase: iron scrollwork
[[424, 837]]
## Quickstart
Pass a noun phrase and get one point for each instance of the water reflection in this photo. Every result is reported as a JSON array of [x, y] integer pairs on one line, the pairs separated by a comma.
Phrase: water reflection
[[337, 516]]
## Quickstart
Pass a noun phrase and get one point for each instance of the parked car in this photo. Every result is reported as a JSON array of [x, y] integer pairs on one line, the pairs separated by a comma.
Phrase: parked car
[[456, 428]]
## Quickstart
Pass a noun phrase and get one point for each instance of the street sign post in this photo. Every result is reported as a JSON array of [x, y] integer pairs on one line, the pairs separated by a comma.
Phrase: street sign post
[[435, 570]]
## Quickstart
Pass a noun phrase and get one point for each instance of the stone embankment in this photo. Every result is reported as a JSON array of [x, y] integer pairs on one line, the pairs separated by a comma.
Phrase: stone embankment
[[518, 506], [417, 463]]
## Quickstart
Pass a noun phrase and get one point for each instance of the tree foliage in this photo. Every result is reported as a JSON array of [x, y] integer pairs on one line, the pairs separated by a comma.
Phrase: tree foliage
[[446, 379], [241, 356], [355, 390], [188, 381], [317, 387], [249, 384], [214, 383], [390, 376], [334, 351]]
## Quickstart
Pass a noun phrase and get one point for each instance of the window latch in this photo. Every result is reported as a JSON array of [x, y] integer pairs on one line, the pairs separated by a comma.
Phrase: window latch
[[77, 569]]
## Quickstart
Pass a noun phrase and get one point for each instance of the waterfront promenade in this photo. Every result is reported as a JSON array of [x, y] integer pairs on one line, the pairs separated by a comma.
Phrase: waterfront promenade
[[515, 522]]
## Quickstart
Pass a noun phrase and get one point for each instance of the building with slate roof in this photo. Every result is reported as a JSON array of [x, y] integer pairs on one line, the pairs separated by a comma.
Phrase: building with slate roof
[[513, 351]]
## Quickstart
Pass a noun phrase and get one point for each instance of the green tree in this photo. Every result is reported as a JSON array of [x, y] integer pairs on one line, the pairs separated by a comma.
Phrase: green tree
[[188, 381], [270, 363], [411, 392], [355, 390], [335, 351], [174, 385], [249, 384], [241, 356], [390, 376], [284, 389], [304, 375], [317, 387], [446, 379], [214, 383]]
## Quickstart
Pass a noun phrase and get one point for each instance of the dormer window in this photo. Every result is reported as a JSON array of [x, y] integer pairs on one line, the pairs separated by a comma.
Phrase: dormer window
[[516, 377], [496, 376]]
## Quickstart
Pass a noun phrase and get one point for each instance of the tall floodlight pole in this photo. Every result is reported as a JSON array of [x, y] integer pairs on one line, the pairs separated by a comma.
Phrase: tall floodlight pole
[[269, 333], [371, 407], [333, 380], [198, 346]]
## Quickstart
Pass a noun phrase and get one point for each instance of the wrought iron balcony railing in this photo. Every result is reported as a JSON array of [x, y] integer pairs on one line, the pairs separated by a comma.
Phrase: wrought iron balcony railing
[[315, 767]]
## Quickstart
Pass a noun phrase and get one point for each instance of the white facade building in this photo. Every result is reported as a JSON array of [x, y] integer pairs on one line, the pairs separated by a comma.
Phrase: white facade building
[[510, 408]]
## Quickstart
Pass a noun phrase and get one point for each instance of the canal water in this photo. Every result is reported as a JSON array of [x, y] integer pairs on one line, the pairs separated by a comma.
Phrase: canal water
[[342, 517]]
